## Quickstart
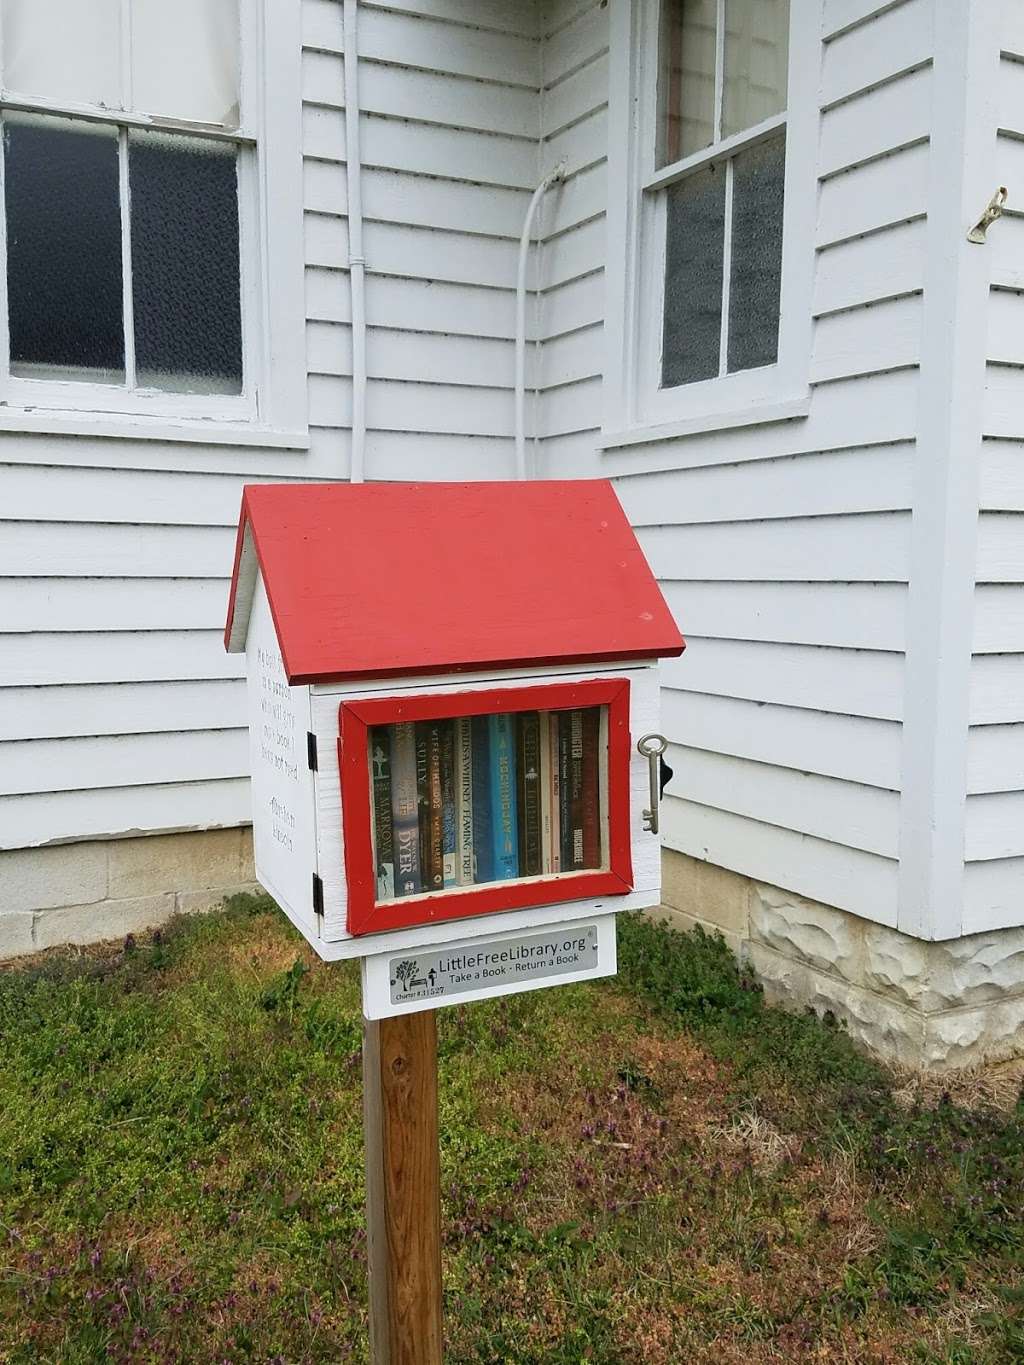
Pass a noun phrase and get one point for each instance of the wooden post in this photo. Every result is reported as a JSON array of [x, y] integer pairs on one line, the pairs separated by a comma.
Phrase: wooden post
[[403, 1189]]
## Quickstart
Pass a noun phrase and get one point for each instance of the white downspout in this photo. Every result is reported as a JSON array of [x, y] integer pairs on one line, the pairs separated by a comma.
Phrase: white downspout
[[524, 251], [356, 262]]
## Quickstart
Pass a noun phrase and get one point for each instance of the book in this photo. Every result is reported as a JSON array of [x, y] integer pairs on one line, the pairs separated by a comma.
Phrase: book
[[546, 825], [433, 873], [529, 793], [405, 810], [504, 823], [383, 834], [449, 835], [574, 843], [464, 800], [591, 798], [554, 758], [564, 790], [423, 800], [483, 853]]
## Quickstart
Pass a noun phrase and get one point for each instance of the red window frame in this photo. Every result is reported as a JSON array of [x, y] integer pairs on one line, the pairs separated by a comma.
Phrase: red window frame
[[355, 719]]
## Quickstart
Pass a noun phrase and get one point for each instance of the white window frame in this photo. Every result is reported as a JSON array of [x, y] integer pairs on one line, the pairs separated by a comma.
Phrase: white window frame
[[271, 260], [636, 407]]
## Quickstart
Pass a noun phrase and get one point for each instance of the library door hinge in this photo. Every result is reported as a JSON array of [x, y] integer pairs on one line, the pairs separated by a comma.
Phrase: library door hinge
[[311, 751], [318, 896]]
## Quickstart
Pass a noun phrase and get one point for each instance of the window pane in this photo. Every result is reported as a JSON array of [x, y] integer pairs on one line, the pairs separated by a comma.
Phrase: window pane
[[63, 249], [695, 233], [185, 59], [755, 277], [756, 62], [687, 92], [185, 268], [65, 50]]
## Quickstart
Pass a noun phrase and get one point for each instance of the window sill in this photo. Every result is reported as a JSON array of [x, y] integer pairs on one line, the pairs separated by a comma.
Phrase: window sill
[[115, 426], [759, 414]]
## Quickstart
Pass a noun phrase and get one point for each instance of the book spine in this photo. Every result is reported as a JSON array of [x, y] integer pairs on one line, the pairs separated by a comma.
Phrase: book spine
[[383, 833], [464, 795], [405, 810], [591, 799], [423, 800], [554, 752], [483, 855], [504, 828], [528, 790], [434, 878], [575, 844], [564, 790], [544, 743], [449, 816]]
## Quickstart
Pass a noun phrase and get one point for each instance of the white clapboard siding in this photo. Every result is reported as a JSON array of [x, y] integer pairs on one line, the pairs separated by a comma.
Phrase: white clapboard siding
[[1001, 475], [993, 896], [112, 604], [866, 548], [127, 708], [95, 550], [893, 115], [877, 195], [65, 765], [1001, 547], [43, 659], [844, 813], [998, 618], [867, 339], [847, 747], [997, 689], [884, 265], [115, 554], [817, 868], [995, 826], [844, 615], [51, 817], [156, 497], [847, 682], [877, 479], [867, 55], [995, 759]]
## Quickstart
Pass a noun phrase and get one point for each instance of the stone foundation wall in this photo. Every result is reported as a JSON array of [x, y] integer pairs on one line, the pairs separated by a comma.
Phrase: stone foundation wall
[[105, 889], [930, 1006]]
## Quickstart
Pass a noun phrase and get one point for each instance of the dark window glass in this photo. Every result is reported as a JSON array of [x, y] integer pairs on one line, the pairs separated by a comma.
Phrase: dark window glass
[[64, 292], [185, 264], [755, 276], [694, 233]]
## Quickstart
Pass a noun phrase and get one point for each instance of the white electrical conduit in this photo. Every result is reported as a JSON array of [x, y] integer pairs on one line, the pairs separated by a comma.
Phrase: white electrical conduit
[[524, 251], [356, 262]]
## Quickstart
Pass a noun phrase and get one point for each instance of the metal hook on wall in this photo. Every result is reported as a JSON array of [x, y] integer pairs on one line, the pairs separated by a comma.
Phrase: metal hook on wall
[[993, 211]]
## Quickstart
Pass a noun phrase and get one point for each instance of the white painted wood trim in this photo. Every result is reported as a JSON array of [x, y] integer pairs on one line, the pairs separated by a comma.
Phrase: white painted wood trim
[[944, 532], [633, 399]]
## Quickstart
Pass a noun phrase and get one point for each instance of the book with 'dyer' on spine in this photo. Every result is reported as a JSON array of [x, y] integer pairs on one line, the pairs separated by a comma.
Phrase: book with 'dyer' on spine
[[405, 810]]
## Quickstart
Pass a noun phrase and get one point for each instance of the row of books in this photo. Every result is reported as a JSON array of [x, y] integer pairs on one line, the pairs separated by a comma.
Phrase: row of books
[[485, 799]]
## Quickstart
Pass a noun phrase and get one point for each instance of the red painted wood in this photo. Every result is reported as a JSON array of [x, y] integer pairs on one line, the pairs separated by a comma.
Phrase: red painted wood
[[393, 580], [355, 718]]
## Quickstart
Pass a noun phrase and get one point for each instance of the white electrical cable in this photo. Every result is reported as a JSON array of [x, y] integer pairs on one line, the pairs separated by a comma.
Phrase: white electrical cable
[[357, 264], [520, 382]]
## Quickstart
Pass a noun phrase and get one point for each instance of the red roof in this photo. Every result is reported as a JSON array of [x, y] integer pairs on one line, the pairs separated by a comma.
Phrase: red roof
[[392, 579]]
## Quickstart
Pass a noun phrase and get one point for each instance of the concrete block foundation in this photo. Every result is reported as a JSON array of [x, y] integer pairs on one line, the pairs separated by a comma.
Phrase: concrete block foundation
[[108, 888], [927, 1006]]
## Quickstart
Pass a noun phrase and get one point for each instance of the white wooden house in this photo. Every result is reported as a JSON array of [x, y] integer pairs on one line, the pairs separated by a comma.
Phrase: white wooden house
[[751, 300]]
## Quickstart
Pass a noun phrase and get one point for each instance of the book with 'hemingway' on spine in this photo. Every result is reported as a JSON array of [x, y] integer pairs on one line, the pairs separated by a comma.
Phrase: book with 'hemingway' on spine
[[383, 830]]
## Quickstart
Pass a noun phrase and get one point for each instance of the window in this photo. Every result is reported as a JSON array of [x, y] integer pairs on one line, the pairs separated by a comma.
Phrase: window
[[721, 131], [716, 219], [134, 206]]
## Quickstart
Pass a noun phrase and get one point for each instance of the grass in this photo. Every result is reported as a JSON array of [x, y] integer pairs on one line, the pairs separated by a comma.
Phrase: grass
[[655, 1169]]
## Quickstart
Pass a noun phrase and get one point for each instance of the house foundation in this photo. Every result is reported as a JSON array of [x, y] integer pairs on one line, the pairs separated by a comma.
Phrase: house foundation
[[931, 1006], [107, 888]]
